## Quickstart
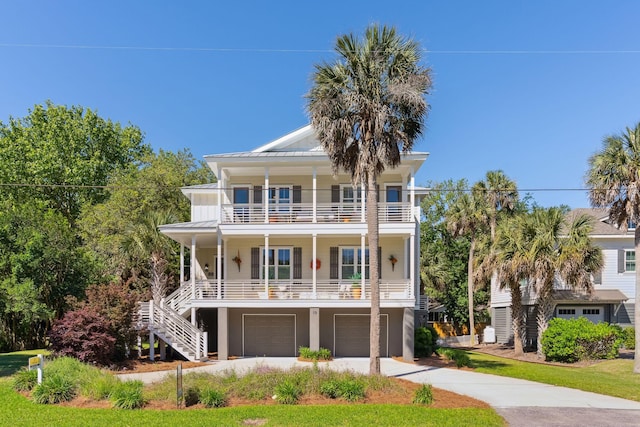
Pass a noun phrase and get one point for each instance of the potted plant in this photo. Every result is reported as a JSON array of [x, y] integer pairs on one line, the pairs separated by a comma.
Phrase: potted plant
[[356, 290], [393, 261]]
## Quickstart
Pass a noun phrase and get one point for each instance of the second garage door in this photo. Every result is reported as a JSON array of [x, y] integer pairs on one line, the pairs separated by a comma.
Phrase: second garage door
[[352, 335], [269, 335]]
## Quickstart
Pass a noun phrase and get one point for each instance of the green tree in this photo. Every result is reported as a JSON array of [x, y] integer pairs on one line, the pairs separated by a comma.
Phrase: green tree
[[368, 107], [64, 155], [613, 180], [153, 186], [144, 241], [468, 217]]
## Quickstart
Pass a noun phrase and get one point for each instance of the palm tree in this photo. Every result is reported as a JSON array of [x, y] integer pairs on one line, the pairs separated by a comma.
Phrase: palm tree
[[614, 181], [367, 108], [143, 240], [468, 217], [511, 266]]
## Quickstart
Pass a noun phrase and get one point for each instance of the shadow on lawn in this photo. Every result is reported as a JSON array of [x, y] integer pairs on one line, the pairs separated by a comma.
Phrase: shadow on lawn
[[12, 363]]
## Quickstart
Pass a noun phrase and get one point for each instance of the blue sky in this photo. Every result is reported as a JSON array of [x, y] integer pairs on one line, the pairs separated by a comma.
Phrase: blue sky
[[529, 87]]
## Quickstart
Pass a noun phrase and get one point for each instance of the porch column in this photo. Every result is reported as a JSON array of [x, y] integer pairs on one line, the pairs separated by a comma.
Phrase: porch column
[[314, 329], [314, 256], [221, 185], [219, 265], [223, 333], [181, 264], [193, 267], [363, 193], [266, 264], [413, 195], [412, 264], [265, 197], [152, 346], [194, 321], [363, 294], [162, 346], [315, 201], [407, 334]]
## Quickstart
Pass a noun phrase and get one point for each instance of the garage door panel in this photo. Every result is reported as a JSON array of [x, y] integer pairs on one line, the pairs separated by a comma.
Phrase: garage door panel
[[352, 335], [269, 335]]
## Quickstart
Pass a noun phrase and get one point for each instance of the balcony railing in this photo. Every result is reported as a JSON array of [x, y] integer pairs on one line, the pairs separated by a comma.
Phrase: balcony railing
[[296, 290], [303, 212]]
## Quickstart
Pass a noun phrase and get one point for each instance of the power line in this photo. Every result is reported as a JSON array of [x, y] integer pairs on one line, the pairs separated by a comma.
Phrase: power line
[[281, 50]]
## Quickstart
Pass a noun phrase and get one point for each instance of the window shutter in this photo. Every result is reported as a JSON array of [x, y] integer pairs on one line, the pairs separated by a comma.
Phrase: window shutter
[[297, 194], [621, 260], [379, 262], [333, 261], [257, 194], [297, 263], [255, 263], [335, 194]]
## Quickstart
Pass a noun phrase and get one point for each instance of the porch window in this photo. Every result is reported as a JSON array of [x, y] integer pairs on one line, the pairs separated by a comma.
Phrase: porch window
[[240, 198], [279, 261], [280, 199], [351, 197], [352, 262]]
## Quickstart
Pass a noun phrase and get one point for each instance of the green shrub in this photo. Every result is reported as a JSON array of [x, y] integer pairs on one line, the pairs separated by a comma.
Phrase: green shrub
[[629, 338], [424, 395], [25, 380], [54, 389], [460, 357], [191, 396], [212, 398], [287, 393], [101, 387], [570, 340], [315, 355], [425, 341], [351, 390], [329, 389], [128, 395]]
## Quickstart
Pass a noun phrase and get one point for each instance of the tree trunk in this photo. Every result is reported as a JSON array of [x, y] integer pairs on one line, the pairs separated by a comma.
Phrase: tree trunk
[[636, 361], [372, 229], [519, 329], [546, 306], [472, 340]]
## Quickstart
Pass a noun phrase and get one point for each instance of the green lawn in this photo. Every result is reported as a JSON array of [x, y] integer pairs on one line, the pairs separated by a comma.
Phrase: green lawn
[[10, 363], [610, 377]]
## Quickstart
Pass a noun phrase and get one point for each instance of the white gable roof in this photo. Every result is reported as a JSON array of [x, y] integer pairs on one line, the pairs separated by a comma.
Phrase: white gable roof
[[303, 139]]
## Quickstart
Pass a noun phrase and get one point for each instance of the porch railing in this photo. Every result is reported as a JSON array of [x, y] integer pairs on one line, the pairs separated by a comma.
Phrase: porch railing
[[303, 212]]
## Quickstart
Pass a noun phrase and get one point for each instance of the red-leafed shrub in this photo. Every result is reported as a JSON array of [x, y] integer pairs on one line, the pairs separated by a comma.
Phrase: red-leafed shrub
[[85, 335]]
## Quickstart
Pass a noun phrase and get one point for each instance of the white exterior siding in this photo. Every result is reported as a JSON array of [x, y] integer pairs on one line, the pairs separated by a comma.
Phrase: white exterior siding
[[204, 207], [612, 248]]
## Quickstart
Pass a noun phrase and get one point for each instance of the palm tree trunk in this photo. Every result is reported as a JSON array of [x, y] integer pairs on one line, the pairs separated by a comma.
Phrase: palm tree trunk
[[472, 322], [546, 305], [636, 361], [372, 229], [518, 325]]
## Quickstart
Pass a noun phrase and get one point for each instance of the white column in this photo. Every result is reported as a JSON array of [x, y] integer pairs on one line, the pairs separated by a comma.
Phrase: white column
[[413, 195], [181, 264], [412, 263], [314, 257], [361, 263], [194, 321], [363, 192], [265, 197], [193, 267], [315, 202], [219, 265], [266, 263], [221, 185]]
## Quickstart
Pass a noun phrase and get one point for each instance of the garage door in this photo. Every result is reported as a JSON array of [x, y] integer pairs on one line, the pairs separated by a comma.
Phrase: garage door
[[269, 335], [351, 337], [594, 314]]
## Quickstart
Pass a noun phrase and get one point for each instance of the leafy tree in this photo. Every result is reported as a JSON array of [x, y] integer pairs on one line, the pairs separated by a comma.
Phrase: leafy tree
[[368, 107], [40, 266], [153, 186], [63, 155], [613, 180]]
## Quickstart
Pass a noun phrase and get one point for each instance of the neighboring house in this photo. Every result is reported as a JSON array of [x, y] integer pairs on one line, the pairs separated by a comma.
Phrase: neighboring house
[[612, 300], [274, 248]]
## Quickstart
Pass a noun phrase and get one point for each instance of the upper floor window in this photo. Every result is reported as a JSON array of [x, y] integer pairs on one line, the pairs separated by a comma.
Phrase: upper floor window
[[629, 261], [350, 195], [241, 195], [279, 198], [631, 225], [279, 261]]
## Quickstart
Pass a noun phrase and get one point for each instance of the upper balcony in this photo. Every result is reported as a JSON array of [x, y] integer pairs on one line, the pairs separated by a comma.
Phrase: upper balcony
[[305, 213]]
